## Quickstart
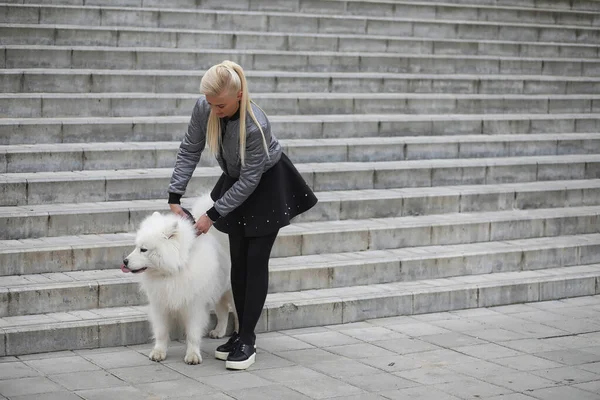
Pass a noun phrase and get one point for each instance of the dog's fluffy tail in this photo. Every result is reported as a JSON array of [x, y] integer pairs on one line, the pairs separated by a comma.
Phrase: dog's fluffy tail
[[201, 205]]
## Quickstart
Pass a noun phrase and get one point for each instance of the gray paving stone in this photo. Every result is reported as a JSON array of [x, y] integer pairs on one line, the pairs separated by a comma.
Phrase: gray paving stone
[[527, 363], [146, 374], [531, 346], [570, 357], [487, 351], [514, 309], [419, 329], [373, 333], [305, 331], [125, 392], [563, 392], [118, 359], [47, 396], [591, 367], [267, 361], [364, 396], [470, 388], [432, 375], [209, 367], [451, 340], [289, 374], [62, 365], [283, 343], [309, 357], [28, 386], [405, 346], [243, 380], [496, 335], [393, 363], [442, 357], [419, 393], [458, 324], [592, 387], [379, 382], [271, 392], [43, 356], [181, 387], [566, 375], [513, 396], [215, 396], [88, 380], [361, 350], [324, 388], [577, 312], [343, 369], [15, 370], [571, 341], [480, 369], [326, 339], [519, 381]]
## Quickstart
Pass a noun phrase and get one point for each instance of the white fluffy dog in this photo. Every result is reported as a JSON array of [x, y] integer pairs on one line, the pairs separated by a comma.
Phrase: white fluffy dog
[[184, 277]]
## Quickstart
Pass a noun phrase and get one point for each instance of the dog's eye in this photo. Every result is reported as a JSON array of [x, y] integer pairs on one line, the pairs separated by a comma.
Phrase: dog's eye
[[143, 250]]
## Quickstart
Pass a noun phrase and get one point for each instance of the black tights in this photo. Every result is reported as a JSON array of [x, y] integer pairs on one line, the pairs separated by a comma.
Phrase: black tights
[[250, 279]]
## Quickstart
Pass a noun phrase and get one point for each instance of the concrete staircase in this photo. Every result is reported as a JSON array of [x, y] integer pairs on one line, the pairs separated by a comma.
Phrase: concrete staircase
[[454, 147]]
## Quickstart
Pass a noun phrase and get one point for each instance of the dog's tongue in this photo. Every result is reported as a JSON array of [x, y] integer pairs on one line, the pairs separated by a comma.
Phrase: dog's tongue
[[124, 268]]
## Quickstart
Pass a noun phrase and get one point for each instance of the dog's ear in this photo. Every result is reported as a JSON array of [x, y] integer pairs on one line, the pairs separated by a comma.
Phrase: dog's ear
[[171, 231]]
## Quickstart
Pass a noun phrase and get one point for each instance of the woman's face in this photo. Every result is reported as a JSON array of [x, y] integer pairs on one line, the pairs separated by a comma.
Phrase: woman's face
[[224, 105]]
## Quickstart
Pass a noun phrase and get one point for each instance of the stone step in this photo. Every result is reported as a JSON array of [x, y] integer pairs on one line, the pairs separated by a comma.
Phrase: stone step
[[117, 326], [578, 12], [173, 81], [456, 26], [142, 184], [151, 129], [47, 293], [40, 56], [69, 35], [559, 5], [53, 105], [51, 220], [123, 155], [104, 251]]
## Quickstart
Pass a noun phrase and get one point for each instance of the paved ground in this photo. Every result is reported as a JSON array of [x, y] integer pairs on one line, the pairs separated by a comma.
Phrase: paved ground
[[547, 351]]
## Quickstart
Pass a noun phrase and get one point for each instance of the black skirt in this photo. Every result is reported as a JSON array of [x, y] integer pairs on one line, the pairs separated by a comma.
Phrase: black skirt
[[280, 195]]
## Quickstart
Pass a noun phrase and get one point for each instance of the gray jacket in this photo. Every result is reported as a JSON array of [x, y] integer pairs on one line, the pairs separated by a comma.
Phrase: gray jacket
[[256, 162]]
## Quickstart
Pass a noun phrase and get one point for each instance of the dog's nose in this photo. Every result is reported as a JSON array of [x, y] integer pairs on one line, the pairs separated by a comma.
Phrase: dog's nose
[[125, 261]]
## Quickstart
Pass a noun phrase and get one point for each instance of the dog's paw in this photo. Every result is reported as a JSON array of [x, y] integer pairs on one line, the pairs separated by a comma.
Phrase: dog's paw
[[158, 355], [193, 358], [215, 334]]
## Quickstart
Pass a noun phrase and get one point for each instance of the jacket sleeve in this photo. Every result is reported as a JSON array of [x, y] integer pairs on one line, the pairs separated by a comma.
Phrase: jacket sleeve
[[190, 150], [250, 174]]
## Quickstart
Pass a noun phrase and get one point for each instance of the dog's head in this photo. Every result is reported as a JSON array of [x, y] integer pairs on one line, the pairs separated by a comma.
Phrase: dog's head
[[161, 244]]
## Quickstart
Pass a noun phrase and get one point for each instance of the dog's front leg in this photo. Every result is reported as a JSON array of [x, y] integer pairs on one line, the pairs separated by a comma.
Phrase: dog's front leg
[[195, 322], [160, 325]]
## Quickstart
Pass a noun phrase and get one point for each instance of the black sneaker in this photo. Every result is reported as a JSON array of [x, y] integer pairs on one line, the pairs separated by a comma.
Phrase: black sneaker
[[223, 350], [242, 356]]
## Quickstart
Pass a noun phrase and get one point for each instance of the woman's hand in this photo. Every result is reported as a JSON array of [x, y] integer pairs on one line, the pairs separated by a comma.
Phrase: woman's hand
[[203, 225], [177, 209]]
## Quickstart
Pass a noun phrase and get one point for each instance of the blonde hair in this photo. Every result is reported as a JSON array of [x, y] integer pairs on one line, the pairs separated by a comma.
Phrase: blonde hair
[[228, 77]]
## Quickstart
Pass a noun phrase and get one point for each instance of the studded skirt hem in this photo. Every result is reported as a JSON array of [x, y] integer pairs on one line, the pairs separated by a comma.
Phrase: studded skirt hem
[[280, 195]]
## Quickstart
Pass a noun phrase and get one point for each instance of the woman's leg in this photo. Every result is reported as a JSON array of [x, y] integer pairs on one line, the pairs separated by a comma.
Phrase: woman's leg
[[257, 284], [238, 249]]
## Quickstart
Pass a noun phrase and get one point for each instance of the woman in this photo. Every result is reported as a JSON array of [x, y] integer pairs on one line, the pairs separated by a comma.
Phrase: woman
[[259, 192]]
